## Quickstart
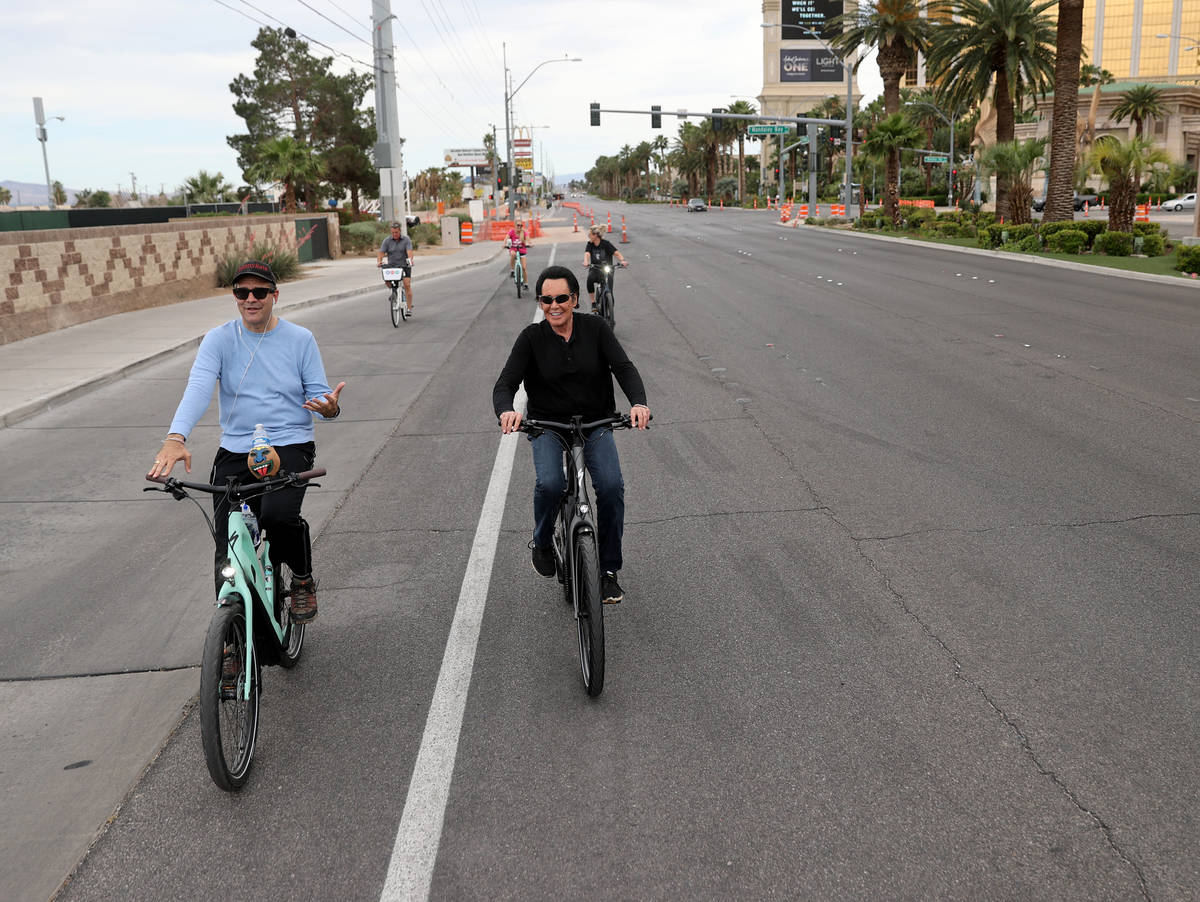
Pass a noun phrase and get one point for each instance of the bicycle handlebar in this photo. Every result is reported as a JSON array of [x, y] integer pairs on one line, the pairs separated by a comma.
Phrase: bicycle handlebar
[[244, 489]]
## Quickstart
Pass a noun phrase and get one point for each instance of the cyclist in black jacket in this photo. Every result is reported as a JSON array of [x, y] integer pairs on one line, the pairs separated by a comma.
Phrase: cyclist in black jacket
[[567, 363], [596, 252]]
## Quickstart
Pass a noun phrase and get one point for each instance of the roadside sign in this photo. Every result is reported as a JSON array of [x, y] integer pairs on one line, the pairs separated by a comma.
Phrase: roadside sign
[[937, 159], [768, 130]]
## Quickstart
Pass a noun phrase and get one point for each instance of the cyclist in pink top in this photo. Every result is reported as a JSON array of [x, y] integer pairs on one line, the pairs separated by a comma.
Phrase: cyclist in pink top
[[515, 242]]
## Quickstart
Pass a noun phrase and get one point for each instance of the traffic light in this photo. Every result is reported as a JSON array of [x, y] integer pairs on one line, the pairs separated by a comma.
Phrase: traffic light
[[717, 122], [595, 112], [656, 116]]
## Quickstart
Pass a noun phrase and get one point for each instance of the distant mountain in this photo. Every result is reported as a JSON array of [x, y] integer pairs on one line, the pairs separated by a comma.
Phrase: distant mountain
[[26, 194]]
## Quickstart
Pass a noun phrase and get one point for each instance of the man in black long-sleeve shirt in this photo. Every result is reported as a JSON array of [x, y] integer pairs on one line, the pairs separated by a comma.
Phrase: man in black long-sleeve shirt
[[567, 363]]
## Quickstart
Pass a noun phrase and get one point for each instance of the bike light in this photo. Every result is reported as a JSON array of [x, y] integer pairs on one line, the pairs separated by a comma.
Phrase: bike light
[[583, 508], [607, 268], [227, 572]]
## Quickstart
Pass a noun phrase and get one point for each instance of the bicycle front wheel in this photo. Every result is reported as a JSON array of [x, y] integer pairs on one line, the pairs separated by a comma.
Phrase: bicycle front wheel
[[607, 309], [590, 618], [397, 307], [228, 698], [519, 273]]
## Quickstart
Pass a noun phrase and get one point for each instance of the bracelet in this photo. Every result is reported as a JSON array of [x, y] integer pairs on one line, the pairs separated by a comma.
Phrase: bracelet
[[337, 413], [175, 437]]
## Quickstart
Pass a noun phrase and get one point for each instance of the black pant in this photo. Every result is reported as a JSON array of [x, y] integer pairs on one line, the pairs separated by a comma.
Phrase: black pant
[[278, 512], [594, 274]]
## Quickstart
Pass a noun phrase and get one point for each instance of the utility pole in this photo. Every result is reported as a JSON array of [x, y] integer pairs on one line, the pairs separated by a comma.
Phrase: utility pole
[[389, 158], [133, 190], [507, 118], [40, 117]]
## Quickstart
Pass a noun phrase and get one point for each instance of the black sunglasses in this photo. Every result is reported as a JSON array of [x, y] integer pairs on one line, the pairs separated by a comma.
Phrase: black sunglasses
[[260, 293], [560, 299]]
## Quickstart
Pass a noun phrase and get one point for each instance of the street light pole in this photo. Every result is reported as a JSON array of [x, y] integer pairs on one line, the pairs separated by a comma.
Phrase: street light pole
[[39, 116], [510, 93]]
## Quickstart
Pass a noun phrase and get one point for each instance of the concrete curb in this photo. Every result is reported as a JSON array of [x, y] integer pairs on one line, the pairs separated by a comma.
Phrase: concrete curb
[[84, 386], [1007, 255]]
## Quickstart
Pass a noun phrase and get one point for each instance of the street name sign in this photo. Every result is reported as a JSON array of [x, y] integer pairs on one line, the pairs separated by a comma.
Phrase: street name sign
[[768, 130]]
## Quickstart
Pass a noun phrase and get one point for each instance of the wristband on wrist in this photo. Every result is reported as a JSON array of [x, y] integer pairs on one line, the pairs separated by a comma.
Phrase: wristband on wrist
[[175, 437]]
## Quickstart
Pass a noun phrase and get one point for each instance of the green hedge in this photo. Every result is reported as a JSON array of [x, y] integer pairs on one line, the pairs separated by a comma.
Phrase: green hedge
[[1115, 244], [1187, 258], [1153, 245], [1067, 241]]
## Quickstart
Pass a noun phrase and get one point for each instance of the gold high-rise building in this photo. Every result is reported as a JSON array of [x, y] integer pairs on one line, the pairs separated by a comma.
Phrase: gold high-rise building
[[1143, 40]]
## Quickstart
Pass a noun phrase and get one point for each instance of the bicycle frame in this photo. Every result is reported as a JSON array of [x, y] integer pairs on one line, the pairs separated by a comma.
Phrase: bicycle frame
[[249, 577]]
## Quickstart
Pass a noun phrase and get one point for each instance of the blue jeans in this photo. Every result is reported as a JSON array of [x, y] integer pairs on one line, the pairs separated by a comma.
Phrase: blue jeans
[[604, 468]]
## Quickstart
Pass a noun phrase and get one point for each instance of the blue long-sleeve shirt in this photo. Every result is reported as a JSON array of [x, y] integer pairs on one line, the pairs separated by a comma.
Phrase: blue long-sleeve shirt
[[263, 377]]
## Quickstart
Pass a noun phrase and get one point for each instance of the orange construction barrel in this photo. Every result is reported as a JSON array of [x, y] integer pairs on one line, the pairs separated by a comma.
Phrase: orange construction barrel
[[466, 233]]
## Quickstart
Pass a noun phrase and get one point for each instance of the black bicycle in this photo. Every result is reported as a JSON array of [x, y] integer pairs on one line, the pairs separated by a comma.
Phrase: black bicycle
[[576, 553], [252, 626], [602, 299]]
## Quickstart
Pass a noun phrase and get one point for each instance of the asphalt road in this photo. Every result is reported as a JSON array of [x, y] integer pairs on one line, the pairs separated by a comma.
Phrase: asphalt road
[[911, 557]]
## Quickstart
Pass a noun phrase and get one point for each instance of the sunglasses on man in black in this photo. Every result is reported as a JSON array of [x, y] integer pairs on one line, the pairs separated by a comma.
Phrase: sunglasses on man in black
[[260, 293], [561, 299]]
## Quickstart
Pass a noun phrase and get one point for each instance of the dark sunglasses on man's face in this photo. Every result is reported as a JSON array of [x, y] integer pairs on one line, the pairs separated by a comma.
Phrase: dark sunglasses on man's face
[[561, 299], [259, 293]]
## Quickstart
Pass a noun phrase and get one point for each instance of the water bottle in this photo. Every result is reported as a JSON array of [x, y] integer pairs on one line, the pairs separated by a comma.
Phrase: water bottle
[[251, 523], [263, 460]]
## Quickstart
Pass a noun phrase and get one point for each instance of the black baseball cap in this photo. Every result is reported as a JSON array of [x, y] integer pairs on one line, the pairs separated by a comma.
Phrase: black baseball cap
[[256, 268]]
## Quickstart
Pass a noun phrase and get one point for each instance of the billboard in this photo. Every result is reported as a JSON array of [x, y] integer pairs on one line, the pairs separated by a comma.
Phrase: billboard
[[810, 65], [801, 14], [466, 156]]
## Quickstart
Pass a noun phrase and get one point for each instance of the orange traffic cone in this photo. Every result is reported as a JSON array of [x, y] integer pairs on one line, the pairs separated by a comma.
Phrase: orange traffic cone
[[624, 237], [610, 221], [575, 221]]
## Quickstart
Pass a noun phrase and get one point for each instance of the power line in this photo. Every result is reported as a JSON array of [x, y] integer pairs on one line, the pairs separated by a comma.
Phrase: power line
[[333, 23]]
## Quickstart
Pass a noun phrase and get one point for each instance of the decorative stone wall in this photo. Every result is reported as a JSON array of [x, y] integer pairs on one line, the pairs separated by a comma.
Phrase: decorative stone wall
[[59, 277]]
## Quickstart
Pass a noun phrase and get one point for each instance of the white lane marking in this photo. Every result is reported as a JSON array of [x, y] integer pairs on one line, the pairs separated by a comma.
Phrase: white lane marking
[[414, 853]]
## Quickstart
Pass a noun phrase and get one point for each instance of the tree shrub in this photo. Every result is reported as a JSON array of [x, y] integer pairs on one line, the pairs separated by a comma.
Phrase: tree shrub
[[363, 237], [917, 217], [1187, 258], [1153, 245], [284, 263], [1114, 244], [949, 229], [1031, 244], [1066, 241], [425, 233]]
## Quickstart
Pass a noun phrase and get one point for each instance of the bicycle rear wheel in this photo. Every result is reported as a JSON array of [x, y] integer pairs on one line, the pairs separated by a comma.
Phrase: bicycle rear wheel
[[397, 307], [590, 619], [228, 718]]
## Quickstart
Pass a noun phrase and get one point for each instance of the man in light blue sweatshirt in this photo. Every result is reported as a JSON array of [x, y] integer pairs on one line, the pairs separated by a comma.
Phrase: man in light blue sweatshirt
[[270, 372]]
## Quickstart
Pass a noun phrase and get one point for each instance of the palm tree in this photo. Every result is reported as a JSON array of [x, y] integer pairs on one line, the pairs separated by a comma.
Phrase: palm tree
[[288, 162], [690, 154], [744, 108], [898, 28], [1009, 39], [1092, 77], [662, 144], [1015, 161], [884, 142], [1139, 103], [1063, 134], [1123, 164], [208, 188]]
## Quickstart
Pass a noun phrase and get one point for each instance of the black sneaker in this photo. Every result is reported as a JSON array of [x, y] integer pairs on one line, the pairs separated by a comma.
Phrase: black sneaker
[[610, 589], [543, 560]]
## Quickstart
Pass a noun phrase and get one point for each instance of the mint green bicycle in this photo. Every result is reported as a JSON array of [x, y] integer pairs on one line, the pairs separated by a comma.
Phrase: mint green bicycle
[[251, 627]]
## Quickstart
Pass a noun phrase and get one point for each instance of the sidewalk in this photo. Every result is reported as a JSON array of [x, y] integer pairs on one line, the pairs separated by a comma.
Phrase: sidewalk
[[47, 370]]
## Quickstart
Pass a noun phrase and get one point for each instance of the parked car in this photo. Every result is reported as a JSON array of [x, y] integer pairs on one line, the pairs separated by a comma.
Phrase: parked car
[[1187, 202], [1039, 203], [697, 204]]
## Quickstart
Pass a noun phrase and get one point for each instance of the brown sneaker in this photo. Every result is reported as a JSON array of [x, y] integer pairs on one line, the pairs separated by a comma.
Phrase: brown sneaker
[[304, 599]]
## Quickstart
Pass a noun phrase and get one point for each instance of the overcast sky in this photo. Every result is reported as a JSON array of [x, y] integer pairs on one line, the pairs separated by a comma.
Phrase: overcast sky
[[144, 84]]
